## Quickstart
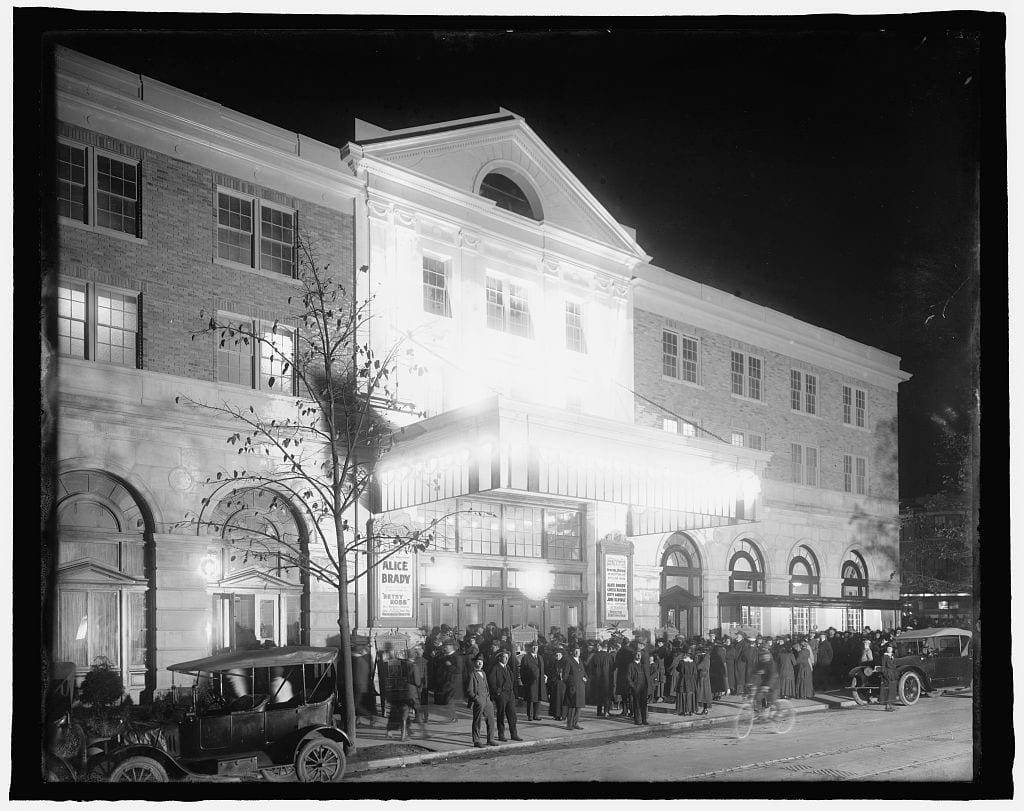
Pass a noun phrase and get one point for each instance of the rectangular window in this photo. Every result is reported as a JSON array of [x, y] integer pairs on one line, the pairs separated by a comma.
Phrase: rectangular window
[[669, 354], [90, 626], [795, 390], [853, 620], [746, 375], [495, 304], [98, 189], [519, 311], [737, 439], [439, 516], [237, 353], [747, 439], [811, 394], [751, 615], [796, 461], [689, 429], [523, 531], [855, 407], [245, 222], [574, 337], [855, 474], [480, 533], [72, 200], [689, 360], [97, 323], [435, 287], [567, 581], [811, 466], [804, 461], [669, 425], [803, 391], [800, 620], [508, 308], [562, 534], [481, 578], [117, 194]]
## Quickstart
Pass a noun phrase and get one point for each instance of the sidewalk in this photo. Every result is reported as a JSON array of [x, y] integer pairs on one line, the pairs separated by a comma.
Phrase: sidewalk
[[446, 740]]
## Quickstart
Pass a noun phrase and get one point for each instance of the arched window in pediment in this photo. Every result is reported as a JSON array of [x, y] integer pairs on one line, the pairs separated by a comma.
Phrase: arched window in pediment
[[510, 194]]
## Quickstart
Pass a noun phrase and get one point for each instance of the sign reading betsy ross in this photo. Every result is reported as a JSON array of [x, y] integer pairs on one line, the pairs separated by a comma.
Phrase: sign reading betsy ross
[[616, 595], [395, 585]]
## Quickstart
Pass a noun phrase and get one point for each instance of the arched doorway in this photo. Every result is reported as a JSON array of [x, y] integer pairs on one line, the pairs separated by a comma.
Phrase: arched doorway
[[681, 586]]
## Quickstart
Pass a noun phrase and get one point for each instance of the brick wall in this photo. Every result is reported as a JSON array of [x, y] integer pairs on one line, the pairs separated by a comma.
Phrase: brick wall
[[712, 405], [172, 264]]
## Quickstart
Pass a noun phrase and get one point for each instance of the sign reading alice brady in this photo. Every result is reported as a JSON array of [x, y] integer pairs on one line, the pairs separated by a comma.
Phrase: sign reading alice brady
[[396, 587]]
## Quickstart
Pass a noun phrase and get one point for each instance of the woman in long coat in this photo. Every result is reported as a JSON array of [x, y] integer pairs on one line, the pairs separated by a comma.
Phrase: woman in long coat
[[684, 684], [730, 664], [739, 666], [889, 693], [804, 673], [704, 695], [719, 680], [556, 687], [787, 677]]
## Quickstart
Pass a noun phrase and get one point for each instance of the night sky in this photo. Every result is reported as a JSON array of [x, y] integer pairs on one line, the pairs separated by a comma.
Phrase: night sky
[[825, 169]]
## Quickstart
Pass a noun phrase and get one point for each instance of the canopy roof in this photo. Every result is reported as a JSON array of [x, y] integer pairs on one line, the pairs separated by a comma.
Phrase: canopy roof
[[262, 657], [927, 633]]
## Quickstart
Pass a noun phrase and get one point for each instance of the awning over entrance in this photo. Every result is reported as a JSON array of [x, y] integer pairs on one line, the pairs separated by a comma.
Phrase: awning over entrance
[[670, 482]]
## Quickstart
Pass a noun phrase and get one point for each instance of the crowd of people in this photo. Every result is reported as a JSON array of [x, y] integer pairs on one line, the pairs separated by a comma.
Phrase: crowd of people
[[618, 676]]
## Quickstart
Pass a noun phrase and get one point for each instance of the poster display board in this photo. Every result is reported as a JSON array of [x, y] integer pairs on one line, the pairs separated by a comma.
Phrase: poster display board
[[395, 588], [616, 587], [523, 635]]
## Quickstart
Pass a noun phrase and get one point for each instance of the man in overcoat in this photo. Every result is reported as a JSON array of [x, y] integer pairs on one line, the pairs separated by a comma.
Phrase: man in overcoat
[[638, 677], [478, 691], [503, 693], [600, 670], [749, 666], [622, 663], [532, 675], [575, 689], [823, 663]]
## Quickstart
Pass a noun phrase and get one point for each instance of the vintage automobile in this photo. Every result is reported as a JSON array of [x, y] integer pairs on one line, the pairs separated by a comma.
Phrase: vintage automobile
[[249, 713], [928, 660]]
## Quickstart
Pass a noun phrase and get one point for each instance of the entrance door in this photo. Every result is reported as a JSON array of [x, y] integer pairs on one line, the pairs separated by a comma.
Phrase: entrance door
[[515, 612], [426, 612], [681, 610], [448, 614], [492, 612], [563, 615]]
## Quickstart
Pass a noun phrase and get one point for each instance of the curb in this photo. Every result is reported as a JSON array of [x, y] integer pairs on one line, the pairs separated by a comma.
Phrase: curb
[[594, 737]]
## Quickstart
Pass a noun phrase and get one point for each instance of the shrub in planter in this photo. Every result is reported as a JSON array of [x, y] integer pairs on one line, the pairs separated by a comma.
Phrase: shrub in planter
[[102, 688]]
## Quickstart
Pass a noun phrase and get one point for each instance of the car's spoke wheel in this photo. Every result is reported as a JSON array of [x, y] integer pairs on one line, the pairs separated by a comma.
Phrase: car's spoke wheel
[[744, 722], [138, 769], [320, 760], [860, 693], [785, 716], [909, 688]]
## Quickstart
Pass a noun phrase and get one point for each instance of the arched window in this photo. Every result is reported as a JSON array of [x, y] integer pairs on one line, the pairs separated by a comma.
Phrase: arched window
[[746, 569], [804, 576], [681, 586], [254, 573], [102, 577], [855, 576], [510, 195]]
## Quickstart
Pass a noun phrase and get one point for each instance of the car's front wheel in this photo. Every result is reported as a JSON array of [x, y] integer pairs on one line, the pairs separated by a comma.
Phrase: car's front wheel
[[909, 688], [138, 769], [320, 760], [859, 691]]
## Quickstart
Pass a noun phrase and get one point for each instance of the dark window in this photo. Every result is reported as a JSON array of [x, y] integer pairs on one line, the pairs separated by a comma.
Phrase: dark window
[[507, 194]]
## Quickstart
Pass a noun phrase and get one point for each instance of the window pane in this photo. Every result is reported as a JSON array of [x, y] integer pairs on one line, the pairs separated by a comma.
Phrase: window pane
[[860, 407], [519, 311], [861, 475], [811, 393], [73, 621], [796, 463], [116, 320], [754, 383], [562, 531], [480, 534], [754, 441], [574, 327], [71, 182], [277, 353], [495, 304], [137, 633], [104, 626], [737, 373], [116, 194], [848, 474], [435, 287], [523, 531], [234, 356], [690, 360], [277, 241], [847, 404], [234, 229], [811, 466], [71, 321], [669, 354], [795, 390], [737, 439]]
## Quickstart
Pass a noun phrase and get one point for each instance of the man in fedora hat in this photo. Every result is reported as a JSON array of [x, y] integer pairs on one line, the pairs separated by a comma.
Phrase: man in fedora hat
[[479, 694], [503, 694]]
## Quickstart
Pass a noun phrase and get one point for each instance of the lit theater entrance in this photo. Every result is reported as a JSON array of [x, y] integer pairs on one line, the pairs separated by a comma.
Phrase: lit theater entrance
[[681, 586]]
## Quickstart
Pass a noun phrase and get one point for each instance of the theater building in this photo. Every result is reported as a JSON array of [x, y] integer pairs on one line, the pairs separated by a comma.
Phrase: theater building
[[614, 444]]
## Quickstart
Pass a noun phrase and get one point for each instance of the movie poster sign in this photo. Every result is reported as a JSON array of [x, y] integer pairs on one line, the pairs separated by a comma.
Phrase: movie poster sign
[[394, 582], [616, 587]]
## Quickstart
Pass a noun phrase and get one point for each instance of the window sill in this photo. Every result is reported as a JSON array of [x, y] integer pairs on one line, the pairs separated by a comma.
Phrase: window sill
[[802, 413], [98, 229], [227, 263], [853, 427], [679, 380], [746, 399]]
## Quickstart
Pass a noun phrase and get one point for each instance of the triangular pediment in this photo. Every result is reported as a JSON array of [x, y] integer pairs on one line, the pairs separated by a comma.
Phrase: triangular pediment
[[458, 154], [90, 573], [253, 578]]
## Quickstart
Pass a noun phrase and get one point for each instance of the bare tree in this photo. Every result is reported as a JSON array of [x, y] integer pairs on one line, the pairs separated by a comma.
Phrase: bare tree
[[317, 455]]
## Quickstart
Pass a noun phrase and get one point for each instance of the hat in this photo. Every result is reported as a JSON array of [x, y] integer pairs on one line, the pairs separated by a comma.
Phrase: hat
[[478, 658], [502, 652]]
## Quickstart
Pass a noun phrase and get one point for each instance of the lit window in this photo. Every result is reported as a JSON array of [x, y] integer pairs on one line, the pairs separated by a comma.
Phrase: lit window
[[855, 473], [97, 323], [669, 425], [855, 581], [803, 573], [480, 533], [737, 439], [508, 308], [746, 375], [803, 391], [482, 578], [574, 337], [669, 354], [523, 531], [800, 620], [689, 429], [747, 439], [853, 619], [566, 581], [237, 352], [240, 230], [746, 568], [96, 188], [435, 287], [562, 534], [854, 407]]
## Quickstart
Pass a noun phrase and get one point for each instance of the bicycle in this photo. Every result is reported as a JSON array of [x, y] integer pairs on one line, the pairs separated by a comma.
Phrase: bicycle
[[780, 714]]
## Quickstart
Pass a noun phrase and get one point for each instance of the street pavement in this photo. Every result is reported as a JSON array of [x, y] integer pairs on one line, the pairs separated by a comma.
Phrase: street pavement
[[931, 741], [444, 741]]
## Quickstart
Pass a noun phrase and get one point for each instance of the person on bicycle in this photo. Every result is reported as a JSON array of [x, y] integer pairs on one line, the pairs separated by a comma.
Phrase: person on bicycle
[[766, 677]]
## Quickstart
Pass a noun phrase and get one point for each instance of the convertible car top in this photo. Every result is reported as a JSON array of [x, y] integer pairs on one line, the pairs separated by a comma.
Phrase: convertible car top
[[261, 657], [928, 633]]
